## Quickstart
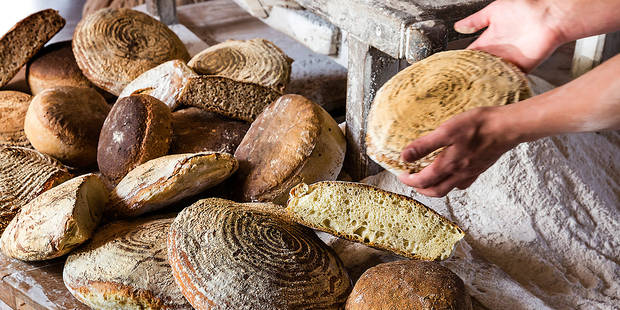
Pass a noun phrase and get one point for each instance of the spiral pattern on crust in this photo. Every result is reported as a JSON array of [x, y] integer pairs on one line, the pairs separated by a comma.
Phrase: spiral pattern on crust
[[114, 46], [247, 256]]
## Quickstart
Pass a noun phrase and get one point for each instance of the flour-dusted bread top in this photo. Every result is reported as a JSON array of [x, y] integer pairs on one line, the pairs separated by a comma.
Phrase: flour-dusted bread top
[[24, 175], [125, 266], [294, 140], [25, 39], [409, 284], [56, 221], [256, 61], [112, 47], [13, 107], [65, 121], [418, 99], [165, 180], [228, 255], [164, 82], [137, 129]]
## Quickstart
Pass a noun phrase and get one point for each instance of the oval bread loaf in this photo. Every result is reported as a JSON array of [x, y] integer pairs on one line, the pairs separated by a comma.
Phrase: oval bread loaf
[[13, 107]]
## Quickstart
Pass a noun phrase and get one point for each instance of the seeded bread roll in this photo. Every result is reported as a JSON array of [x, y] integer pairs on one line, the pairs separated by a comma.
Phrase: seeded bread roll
[[57, 221], [112, 47], [125, 266], [418, 99], [137, 129], [227, 255], [13, 107], [255, 61], [65, 121], [409, 284], [24, 175], [25, 39], [378, 218]]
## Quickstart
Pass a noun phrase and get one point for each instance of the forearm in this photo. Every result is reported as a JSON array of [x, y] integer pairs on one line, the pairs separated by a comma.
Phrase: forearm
[[575, 19]]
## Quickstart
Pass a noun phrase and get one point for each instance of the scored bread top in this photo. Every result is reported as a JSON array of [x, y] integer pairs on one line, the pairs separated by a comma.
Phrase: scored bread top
[[13, 108], [114, 46], [418, 99]]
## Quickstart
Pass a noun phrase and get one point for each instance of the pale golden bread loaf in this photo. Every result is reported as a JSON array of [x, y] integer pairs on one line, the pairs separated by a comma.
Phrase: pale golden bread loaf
[[13, 107]]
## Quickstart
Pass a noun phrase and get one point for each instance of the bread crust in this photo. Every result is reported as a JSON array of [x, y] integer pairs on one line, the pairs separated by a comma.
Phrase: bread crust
[[13, 108]]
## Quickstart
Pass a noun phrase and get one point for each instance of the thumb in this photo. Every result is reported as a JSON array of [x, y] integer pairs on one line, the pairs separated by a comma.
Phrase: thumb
[[473, 23], [425, 145]]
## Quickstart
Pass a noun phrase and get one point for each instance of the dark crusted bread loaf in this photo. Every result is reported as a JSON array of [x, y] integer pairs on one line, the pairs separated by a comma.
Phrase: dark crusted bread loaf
[[13, 107]]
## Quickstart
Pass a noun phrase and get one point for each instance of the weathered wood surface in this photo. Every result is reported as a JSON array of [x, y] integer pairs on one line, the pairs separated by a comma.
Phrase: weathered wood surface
[[592, 51], [166, 10]]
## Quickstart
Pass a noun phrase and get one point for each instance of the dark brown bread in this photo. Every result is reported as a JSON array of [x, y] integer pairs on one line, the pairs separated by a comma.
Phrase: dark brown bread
[[25, 39], [13, 107]]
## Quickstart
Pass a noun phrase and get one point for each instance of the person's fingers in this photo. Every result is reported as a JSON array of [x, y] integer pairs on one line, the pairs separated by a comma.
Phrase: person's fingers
[[473, 22], [424, 145], [440, 189], [466, 183], [435, 173]]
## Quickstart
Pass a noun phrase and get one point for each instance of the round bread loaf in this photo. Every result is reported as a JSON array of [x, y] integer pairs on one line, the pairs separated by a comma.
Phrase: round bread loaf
[[57, 221], [256, 61], [409, 284], [294, 140], [13, 107], [137, 129], [24, 175], [91, 6], [114, 46], [418, 99], [227, 255], [195, 130], [125, 266], [64, 122]]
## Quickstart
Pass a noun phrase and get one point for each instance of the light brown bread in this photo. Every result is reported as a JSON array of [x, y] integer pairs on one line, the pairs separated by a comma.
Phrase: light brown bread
[[227, 255], [378, 218], [164, 82], [13, 107], [57, 221], [25, 39], [137, 129], [421, 97], [409, 284], [125, 266], [65, 121], [237, 100], [91, 6], [195, 130], [255, 61], [165, 180], [294, 140], [24, 175], [112, 47]]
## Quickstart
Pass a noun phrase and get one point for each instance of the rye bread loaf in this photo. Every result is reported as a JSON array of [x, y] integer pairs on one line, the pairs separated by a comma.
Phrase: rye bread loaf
[[65, 121], [164, 82], [418, 99], [230, 98], [137, 129], [294, 140], [378, 218], [24, 175], [13, 107], [112, 47], [227, 255], [255, 61], [91, 6], [57, 221], [195, 130], [409, 284], [165, 180], [125, 266], [25, 39]]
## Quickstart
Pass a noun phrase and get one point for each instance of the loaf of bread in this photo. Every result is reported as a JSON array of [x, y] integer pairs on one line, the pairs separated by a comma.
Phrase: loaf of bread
[[13, 107], [65, 121], [294, 140], [418, 99], [164, 82], [112, 47], [91, 6], [230, 98], [125, 266], [165, 180], [409, 284], [227, 255], [378, 218], [195, 130], [24, 175], [57, 221], [25, 39], [255, 61], [137, 129]]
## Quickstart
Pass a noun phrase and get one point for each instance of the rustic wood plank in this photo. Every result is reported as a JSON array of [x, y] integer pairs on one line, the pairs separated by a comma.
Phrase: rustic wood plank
[[592, 51], [166, 10]]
